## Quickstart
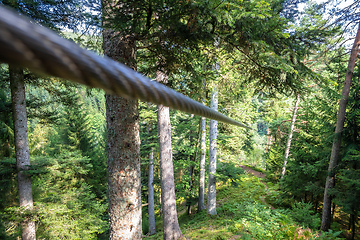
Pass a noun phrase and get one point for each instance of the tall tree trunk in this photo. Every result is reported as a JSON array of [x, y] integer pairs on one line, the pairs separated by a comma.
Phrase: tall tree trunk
[[18, 99], [288, 144], [151, 209], [202, 159], [202, 165], [171, 229], [192, 167], [123, 148], [330, 180], [212, 155]]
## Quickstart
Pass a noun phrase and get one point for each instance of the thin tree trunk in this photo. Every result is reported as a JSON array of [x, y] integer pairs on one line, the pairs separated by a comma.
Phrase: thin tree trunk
[[202, 165], [268, 140], [288, 144], [330, 180], [171, 229], [151, 209], [123, 148], [18, 98], [212, 155], [333, 209], [353, 229], [202, 159], [192, 167]]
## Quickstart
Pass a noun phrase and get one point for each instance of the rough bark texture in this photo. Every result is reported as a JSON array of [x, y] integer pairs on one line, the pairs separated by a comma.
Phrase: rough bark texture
[[22, 148], [330, 180], [123, 148], [151, 209], [212, 156], [171, 229], [288, 144]]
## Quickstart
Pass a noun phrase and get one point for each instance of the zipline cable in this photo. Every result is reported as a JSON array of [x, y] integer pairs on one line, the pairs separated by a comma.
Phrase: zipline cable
[[41, 50]]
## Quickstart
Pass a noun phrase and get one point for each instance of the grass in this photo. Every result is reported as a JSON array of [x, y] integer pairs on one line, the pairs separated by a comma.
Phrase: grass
[[241, 215]]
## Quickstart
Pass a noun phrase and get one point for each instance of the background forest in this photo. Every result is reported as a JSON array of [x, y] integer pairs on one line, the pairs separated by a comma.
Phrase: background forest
[[277, 66]]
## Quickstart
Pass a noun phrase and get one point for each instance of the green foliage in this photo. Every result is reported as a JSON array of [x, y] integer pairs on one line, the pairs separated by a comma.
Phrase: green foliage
[[228, 171], [260, 54], [330, 235], [241, 214], [61, 195], [303, 214], [274, 161]]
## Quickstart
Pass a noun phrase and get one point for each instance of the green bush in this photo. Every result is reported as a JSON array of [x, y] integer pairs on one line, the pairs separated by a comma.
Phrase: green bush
[[228, 170], [303, 214]]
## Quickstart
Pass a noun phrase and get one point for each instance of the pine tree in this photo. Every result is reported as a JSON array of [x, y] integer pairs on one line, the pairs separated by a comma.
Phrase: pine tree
[[211, 209], [201, 202], [171, 229], [330, 180], [123, 140], [18, 98]]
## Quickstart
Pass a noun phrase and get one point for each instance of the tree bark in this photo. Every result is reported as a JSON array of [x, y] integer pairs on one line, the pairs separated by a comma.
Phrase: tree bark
[[171, 229], [18, 99], [202, 160], [288, 144], [123, 148], [330, 180], [192, 167], [151, 208], [212, 155]]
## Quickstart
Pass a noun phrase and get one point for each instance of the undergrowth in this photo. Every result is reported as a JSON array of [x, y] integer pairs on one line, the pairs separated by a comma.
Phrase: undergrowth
[[241, 214]]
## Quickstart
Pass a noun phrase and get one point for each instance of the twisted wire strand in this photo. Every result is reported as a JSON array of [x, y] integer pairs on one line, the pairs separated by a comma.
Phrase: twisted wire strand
[[30, 45]]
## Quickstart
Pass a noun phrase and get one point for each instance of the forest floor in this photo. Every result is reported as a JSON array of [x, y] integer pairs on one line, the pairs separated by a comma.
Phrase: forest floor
[[260, 175], [242, 213]]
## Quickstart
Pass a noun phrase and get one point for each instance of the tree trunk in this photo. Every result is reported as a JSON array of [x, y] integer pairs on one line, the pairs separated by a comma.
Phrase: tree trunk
[[18, 99], [268, 140], [202, 165], [212, 155], [171, 229], [330, 180], [192, 166], [123, 148], [353, 229], [189, 202], [151, 209], [288, 144], [202, 159]]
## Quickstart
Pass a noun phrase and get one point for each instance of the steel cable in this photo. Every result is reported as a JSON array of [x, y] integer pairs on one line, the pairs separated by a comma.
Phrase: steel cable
[[41, 50]]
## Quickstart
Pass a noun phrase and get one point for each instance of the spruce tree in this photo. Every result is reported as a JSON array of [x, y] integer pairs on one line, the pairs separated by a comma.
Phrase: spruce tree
[[330, 180]]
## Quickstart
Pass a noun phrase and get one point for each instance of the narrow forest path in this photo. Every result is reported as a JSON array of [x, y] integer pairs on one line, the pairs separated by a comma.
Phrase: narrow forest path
[[249, 170]]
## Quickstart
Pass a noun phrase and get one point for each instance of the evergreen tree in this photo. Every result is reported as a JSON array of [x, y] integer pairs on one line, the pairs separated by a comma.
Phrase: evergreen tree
[[330, 180], [123, 140], [201, 202], [171, 229], [346, 191], [18, 98]]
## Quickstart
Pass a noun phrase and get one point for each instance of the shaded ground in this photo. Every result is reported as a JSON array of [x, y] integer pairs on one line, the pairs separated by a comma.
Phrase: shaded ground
[[261, 175]]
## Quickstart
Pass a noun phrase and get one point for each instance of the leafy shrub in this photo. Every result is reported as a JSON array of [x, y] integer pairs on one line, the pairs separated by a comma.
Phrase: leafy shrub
[[228, 170], [304, 215], [330, 235]]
